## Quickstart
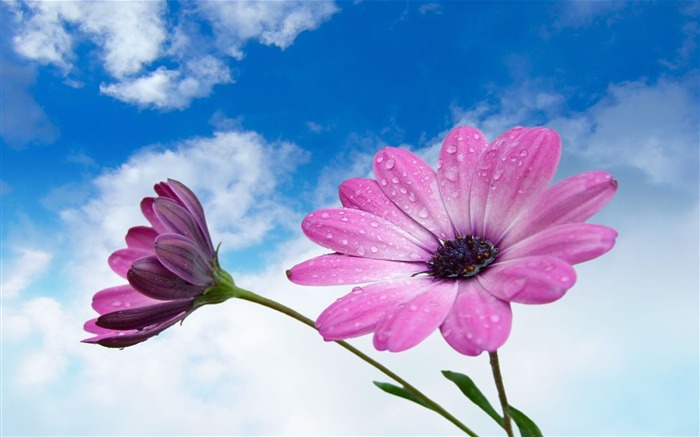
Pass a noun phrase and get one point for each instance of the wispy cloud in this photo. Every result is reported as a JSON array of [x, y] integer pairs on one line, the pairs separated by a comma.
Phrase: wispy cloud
[[135, 42], [26, 266]]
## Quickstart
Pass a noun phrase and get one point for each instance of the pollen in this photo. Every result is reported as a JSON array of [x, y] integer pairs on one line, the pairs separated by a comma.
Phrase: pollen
[[462, 258]]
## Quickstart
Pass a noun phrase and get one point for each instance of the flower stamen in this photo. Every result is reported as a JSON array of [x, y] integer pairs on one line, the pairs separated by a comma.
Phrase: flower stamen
[[462, 258]]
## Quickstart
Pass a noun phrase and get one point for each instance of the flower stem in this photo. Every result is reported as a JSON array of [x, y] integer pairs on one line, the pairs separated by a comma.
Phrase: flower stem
[[252, 297], [496, 369]]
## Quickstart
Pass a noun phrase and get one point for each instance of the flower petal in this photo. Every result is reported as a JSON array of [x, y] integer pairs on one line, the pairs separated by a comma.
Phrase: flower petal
[[119, 297], [150, 277], [458, 160], [575, 199], [407, 324], [336, 268], [150, 213], [141, 237], [528, 159], [359, 312], [122, 339], [530, 280], [144, 317], [359, 233], [412, 185], [184, 258], [121, 260], [366, 195], [179, 220], [573, 242], [478, 321], [184, 196]]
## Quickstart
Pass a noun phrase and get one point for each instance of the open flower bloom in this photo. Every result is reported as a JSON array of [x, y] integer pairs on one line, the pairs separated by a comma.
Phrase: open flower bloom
[[453, 249], [169, 266]]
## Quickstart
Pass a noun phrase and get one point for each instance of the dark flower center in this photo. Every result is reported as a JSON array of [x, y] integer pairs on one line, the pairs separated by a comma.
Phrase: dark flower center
[[461, 258]]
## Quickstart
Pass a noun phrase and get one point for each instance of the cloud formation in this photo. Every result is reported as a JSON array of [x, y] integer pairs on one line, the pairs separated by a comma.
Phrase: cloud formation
[[151, 62]]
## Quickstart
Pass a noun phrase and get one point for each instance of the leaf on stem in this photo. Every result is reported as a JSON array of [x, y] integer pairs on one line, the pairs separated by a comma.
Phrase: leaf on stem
[[526, 426], [401, 392], [470, 390]]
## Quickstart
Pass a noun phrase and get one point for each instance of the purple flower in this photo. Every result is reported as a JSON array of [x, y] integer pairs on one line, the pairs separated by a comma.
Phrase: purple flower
[[170, 266], [453, 249]]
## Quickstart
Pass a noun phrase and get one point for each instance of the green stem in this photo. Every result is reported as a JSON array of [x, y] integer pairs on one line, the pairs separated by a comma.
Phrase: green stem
[[252, 297], [496, 369]]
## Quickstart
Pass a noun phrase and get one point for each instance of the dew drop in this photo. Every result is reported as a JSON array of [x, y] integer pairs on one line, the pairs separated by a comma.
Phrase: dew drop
[[523, 153], [329, 235], [389, 164], [357, 290], [374, 224], [413, 308], [495, 318], [374, 249], [395, 180], [451, 149], [423, 213], [476, 136], [383, 182], [325, 215], [380, 159], [361, 251], [344, 242]]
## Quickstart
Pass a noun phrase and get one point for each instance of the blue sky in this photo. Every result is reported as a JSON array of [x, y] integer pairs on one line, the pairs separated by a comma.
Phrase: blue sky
[[263, 109]]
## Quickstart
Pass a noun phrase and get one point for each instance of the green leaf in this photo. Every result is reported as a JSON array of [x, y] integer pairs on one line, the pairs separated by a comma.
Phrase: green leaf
[[470, 390], [526, 426], [402, 393]]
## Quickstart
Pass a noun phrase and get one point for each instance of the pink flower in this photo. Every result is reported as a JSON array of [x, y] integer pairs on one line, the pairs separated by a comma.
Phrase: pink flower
[[169, 266], [453, 249]]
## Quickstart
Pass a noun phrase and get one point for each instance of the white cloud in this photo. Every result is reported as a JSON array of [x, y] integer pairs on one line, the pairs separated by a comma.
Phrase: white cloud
[[22, 270], [271, 23], [134, 40], [652, 127], [168, 89]]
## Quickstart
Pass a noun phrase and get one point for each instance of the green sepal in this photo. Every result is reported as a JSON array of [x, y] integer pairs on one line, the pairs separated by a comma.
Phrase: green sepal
[[470, 390], [525, 425], [401, 392]]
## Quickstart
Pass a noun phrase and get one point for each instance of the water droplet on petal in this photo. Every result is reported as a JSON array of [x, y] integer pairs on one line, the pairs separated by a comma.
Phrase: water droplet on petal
[[329, 235], [423, 213], [476, 136], [523, 153], [325, 215], [495, 318], [389, 164], [374, 224], [451, 149], [374, 249], [361, 251], [413, 308]]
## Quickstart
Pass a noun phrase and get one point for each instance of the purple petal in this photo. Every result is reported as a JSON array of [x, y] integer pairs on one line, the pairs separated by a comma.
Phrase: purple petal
[[118, 298], [358, 233], [407, 324], [477, 322], [412, 185], [335, 268], [178, 191], [150, 277], [574, 199], [144, 317], [572, 242], [179, 220], [457, 164], [366, 195], [184, 258], [528, 159], [359, 312], [141, 237], [530, 280], [121, 339], [121, 260]]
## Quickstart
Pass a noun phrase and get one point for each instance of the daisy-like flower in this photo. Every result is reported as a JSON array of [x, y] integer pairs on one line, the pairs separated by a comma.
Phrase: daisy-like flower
[[453, 249], [171, 267]]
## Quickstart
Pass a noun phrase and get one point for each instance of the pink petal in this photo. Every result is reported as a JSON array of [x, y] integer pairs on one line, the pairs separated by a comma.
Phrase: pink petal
[[335, 268], [366, 195], [458, 161], [122, 339], [121, 260], [412, 321], [528, 159], [119, 298], [358, 233], [145, 316], [572, 242], [359, 312], [530, 280], [412, 185], [574, 199], [150, 277], [141, 237], [478, 321], [150, 214]]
